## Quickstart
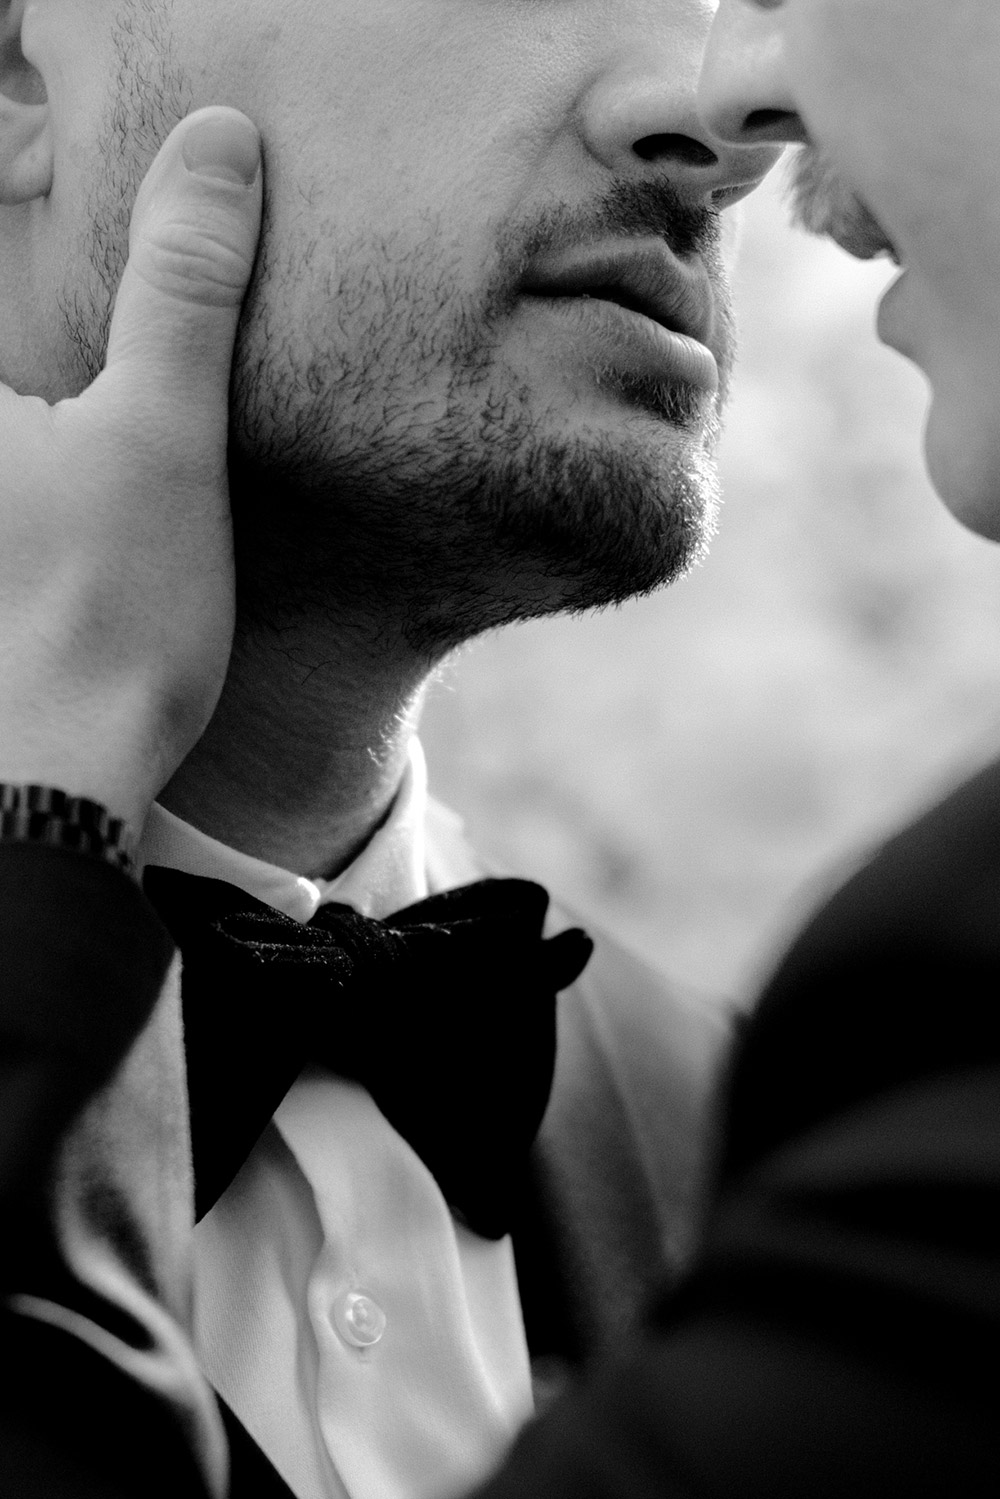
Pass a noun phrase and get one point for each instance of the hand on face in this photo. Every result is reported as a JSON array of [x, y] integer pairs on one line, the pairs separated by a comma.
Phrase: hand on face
[[116, 575]]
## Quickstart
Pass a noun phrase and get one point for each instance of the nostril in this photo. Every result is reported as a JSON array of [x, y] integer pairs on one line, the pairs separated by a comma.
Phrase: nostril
[[766, 119], [682, 148]]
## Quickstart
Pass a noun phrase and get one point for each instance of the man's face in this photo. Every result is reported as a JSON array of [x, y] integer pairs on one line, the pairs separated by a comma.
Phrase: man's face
[[901, 101], [454, 388]]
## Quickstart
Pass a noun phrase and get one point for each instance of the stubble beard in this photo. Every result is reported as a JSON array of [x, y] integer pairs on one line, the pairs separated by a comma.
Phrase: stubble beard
[[386, 463], [400, 456]]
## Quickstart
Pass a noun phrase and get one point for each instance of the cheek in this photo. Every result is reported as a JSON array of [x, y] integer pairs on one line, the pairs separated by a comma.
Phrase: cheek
[[870, 100], [829, 60]]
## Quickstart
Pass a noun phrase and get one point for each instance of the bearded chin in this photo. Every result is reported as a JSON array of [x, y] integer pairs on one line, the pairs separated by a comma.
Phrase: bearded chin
[[414, 484], [391, 458], [489, 514]]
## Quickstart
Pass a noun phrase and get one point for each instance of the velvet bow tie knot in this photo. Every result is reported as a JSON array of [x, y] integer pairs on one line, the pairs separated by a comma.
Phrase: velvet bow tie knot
[[444, 1012]]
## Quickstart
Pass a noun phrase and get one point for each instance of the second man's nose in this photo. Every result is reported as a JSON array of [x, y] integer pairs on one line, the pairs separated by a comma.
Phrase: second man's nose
[[743, 93], [641, 119]]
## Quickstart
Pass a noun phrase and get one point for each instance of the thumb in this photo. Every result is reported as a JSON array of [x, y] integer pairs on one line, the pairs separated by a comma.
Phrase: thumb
[[192, 243]]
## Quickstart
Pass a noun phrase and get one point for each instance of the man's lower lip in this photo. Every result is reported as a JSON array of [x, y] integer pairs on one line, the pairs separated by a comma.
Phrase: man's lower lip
[[629, 341]]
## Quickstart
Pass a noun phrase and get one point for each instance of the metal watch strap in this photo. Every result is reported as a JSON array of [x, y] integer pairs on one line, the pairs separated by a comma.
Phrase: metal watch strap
[[44, 814]]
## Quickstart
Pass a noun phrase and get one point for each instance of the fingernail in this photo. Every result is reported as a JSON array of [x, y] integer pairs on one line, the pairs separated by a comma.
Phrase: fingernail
[[227, 150]]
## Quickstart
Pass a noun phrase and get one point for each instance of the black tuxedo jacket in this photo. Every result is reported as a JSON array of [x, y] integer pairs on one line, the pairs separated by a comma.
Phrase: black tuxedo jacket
[[836, 1331], [837, 1336], [607, 1209]]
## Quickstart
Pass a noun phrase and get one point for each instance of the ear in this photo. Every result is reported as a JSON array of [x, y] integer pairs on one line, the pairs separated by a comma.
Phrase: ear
[[26, 157]]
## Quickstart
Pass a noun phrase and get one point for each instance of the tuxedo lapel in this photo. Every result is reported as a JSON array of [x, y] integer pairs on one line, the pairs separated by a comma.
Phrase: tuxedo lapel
[[623, 1146], [612, 1205]]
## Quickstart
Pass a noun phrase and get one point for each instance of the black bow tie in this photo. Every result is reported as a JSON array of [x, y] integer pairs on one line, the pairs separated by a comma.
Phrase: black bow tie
[[445, 1013]]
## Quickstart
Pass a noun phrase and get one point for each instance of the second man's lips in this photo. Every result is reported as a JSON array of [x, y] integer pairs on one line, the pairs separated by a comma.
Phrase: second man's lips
[[824, 203], [850, 223], [642, 275]]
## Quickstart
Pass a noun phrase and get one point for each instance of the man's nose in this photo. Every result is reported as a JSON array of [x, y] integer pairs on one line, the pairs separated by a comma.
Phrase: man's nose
[[743, 94], [640, 120]]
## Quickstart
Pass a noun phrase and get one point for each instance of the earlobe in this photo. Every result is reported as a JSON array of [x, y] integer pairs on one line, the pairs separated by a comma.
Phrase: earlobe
[[26, 156]]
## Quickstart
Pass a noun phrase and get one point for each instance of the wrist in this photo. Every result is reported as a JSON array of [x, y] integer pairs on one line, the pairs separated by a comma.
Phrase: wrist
[[116, 747], [38, 814]]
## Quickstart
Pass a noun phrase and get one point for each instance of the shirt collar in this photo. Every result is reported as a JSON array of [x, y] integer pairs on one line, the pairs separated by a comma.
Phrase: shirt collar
[[389, 873]]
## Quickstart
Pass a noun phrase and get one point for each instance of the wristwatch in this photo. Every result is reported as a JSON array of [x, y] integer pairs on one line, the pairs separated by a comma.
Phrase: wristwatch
[[44, 814]]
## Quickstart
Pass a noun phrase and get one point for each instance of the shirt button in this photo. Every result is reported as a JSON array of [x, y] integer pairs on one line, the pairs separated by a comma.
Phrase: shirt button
[[359, 1320]]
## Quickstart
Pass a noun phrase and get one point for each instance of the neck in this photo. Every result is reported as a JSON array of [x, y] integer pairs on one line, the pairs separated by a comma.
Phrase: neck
[[306, 749]]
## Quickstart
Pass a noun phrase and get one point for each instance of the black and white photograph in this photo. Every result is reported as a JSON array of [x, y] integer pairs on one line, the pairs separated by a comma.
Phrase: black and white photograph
[[499, 749]]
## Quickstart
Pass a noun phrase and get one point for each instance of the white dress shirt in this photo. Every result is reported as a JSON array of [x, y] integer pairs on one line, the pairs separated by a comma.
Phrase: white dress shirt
[[372, 1346]]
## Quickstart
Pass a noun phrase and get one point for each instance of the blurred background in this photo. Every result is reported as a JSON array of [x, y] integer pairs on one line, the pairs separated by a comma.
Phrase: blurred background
[[692, 771]]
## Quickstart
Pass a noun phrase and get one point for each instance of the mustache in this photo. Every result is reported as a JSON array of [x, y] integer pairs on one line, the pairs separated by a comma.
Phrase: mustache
[[637, 208], [821, 203], [628, 210]]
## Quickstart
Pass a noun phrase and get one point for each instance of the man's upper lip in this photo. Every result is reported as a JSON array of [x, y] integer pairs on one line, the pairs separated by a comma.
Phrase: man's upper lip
[[854, 227], [641, 274]]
